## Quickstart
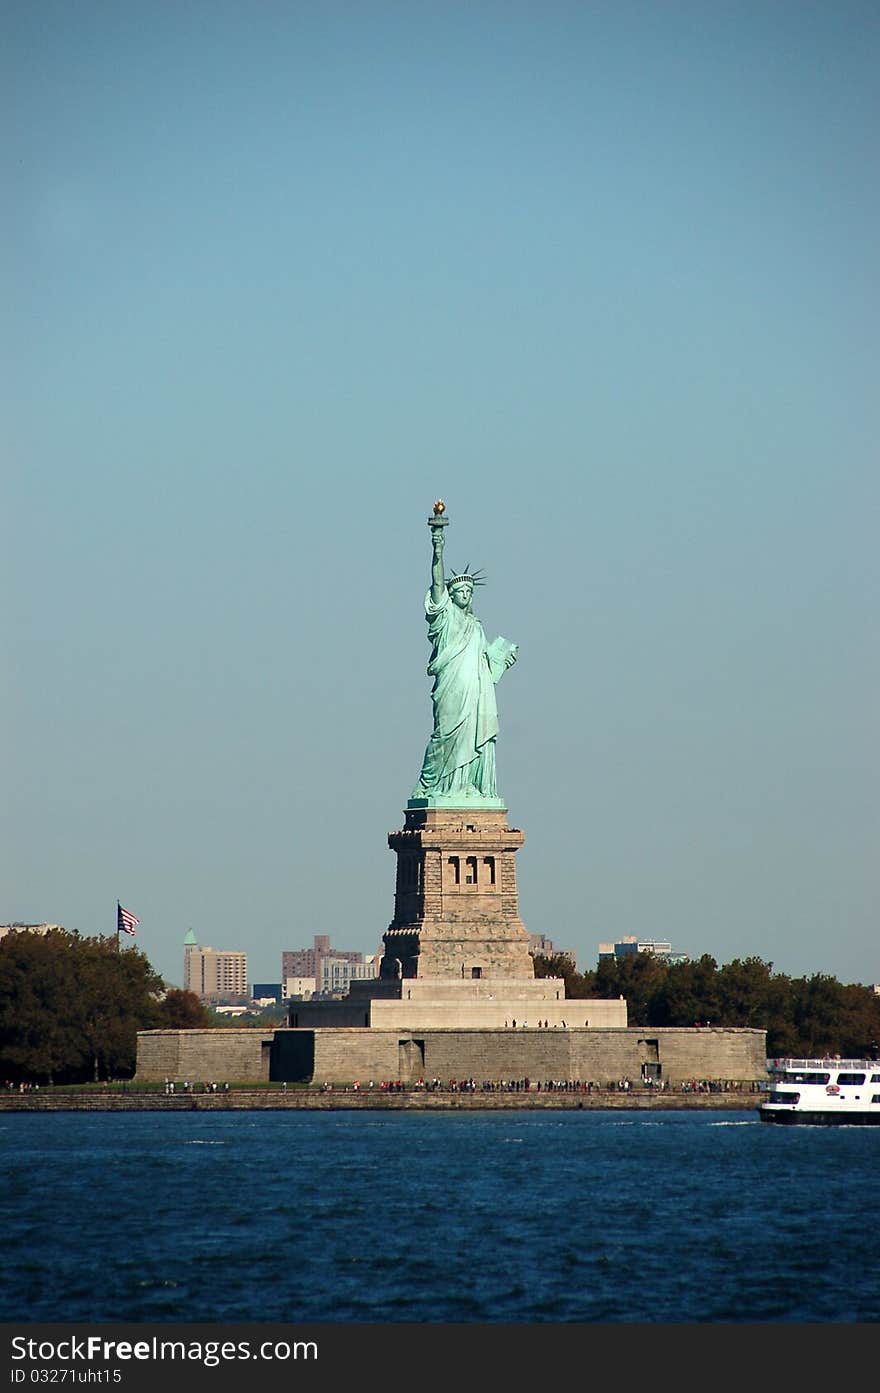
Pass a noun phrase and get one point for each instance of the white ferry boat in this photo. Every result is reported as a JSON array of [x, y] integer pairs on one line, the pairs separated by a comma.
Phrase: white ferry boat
[[823, 1092]]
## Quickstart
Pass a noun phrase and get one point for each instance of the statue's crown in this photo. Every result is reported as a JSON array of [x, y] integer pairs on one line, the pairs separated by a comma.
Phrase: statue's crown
[[470, 577]]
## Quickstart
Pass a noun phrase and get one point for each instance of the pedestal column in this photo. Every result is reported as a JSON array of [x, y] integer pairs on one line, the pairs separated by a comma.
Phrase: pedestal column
[[455, 908]]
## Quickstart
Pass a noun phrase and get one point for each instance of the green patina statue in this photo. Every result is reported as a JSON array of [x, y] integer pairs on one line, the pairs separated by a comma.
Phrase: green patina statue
[[459, 763]]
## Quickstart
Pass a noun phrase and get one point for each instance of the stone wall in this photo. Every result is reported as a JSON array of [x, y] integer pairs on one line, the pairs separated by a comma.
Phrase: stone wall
[[735, 1054], [343, 1055], [494, 1015], [338, 1055], [600, 1056], [435, 1004], [233, 1056], [250, 1099]]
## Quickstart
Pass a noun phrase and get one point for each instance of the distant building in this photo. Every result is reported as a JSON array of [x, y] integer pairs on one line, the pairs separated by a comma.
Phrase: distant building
[[298, 988], [217, 977], [337, 973], [309, 962], [265, 992], [540, 946], [27, 928], [631, 944]]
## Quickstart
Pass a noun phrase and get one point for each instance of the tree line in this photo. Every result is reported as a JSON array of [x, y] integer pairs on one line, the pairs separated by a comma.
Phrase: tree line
[[803, 1016], [71, 1007]]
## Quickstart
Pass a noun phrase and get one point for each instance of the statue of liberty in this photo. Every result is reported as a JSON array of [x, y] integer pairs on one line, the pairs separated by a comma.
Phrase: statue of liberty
[[459, 763]]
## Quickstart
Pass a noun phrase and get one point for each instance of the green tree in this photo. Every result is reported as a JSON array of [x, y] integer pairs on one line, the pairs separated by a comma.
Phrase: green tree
[[860, 1027], [71, 1006], [818, 1011], [117, 991], [743, 991], [706, 990], [782, 1037], [639, 978], [577, 985], [677, 1001], [181, 1010], [39, 1040]]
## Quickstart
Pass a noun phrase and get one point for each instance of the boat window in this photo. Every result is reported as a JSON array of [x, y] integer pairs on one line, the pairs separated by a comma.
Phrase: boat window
[[875, 1078], [783, 1096], [850, 1078], [799, 1076], [876, 1098]]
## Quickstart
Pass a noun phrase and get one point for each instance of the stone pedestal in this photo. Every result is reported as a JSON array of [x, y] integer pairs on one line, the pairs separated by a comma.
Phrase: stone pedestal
[[455, 907]]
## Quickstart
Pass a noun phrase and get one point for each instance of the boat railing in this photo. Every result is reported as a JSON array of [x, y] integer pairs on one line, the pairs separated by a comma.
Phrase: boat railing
[[777, 1065]]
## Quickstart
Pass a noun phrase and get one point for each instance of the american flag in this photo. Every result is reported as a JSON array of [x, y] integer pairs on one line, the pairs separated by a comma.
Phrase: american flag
[[125, 920]]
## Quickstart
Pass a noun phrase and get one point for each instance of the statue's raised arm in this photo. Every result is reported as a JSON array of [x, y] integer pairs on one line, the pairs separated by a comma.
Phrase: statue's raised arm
[[438, 578], [459, 764]]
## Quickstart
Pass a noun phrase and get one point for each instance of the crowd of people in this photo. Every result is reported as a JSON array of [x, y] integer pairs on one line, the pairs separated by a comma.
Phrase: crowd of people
[[174, 1087], [187, 1087], [526, 1085]]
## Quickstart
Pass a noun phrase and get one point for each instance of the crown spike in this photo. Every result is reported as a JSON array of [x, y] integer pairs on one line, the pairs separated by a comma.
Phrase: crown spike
[[473, 578]]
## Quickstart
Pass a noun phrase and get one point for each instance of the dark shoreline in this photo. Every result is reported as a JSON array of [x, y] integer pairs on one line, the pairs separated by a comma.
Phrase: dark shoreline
[[416, 1100]]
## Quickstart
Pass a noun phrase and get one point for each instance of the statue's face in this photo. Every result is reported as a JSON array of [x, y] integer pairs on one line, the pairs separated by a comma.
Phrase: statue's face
[[461, 595]]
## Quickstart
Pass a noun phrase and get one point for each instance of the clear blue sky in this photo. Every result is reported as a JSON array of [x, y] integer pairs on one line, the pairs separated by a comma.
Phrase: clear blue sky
[[601, 275]]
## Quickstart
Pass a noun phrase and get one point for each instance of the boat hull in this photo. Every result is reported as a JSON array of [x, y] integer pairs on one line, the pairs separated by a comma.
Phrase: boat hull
[[790, 1118]]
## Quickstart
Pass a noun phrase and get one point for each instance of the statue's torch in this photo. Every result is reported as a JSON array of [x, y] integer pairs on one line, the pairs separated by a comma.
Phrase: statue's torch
[[438, 518]]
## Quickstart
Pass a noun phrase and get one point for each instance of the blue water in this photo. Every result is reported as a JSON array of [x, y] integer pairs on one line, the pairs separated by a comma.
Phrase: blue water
[[477, 1217]]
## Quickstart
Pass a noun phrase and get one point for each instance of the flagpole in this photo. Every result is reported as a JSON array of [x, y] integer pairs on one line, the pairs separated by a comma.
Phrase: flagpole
[[118, 907]]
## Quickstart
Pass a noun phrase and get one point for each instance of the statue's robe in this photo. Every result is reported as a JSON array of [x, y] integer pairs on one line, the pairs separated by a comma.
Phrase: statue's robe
[[461, 751]]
